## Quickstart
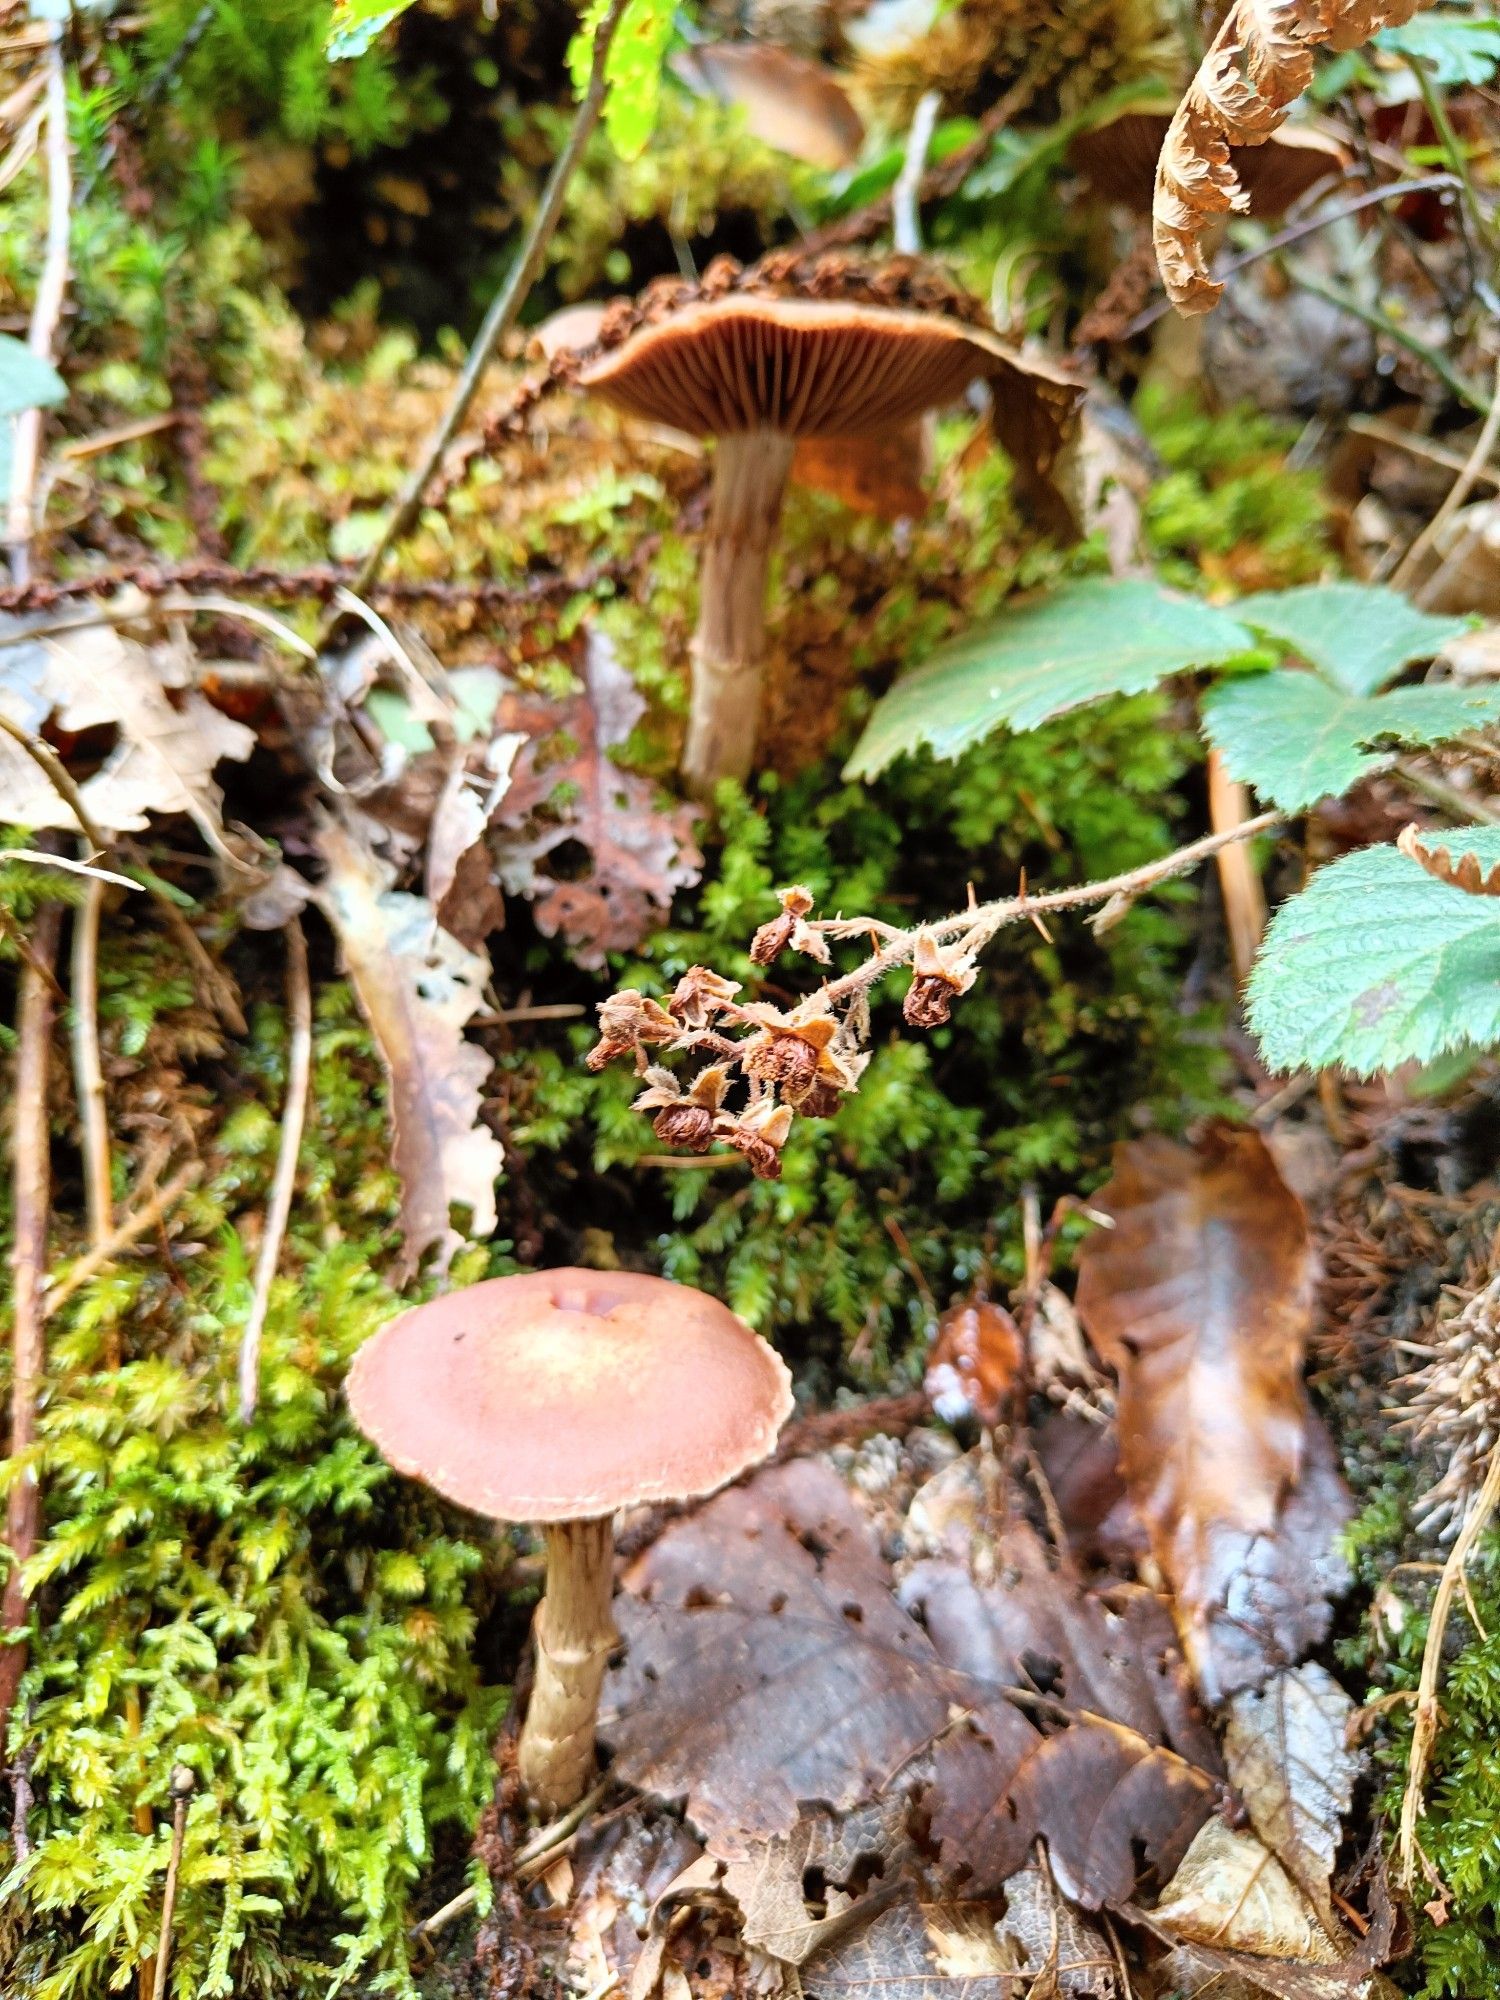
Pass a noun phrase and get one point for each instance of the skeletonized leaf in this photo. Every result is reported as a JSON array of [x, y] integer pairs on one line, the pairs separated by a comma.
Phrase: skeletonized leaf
[[1289, 1756], [1297, 740], [1063, 1955], [1376, 963], [844, 1854], [1101, 636], [416, 987], [1360, 635], [1200, 1297], [916, 1951]]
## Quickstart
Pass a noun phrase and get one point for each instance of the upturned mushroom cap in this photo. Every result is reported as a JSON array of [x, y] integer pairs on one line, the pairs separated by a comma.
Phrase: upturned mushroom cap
[[826, 348], [563, 1395]]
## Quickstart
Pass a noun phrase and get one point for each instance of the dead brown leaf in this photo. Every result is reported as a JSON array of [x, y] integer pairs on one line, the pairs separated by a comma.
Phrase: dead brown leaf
[[1464, 873], [1231, 1892], [880, 475], [975, 1362], [1063, 1955], [917, 1951], [1289, 1756], [417, 988], [796, 1892], [1200, 1297], [566, 792]]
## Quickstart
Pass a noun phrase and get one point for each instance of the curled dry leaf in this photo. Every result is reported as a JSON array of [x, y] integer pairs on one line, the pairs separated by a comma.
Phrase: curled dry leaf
[[417, 988], [1292, 1764], [1233, 1893], [1260, 63], [638, 855], [974, 1364], [1199, 1297], [796, 1892], [1465, 873]]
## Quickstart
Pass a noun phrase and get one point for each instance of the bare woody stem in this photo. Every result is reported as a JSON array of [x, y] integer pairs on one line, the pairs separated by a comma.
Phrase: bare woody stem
[[574, 1635], [750, 475]]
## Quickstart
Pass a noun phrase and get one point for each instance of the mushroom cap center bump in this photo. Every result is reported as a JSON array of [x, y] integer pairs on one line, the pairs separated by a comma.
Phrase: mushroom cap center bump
[[564, 1395]]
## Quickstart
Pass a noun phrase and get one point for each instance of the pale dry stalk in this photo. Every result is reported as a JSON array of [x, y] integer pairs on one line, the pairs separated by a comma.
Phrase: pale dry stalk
[[1239, 882], [129, 1230], [46, 311], [88, 1068]]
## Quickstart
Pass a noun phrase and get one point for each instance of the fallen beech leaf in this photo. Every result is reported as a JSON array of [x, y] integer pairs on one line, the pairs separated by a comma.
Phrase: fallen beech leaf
[[1199, 1297], [836, 1858], [167, 748], [416, 987], [916, 1951], [637, 854], [1232, 1892], [974, 1363], [789, 102], [1063, 1955], [1289, 1758]]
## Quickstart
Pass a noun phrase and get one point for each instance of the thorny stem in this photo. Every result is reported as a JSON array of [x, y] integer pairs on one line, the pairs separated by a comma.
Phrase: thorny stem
[[279, 1208], [46, 312], [30, 1193], [978, 926], [504, 309]]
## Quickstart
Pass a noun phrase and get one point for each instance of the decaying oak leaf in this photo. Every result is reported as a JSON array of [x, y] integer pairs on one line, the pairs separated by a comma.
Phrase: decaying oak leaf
[[916, 1951], [796, 1892], [638, 855], [1465, 873], [1261, 61], [169, 740], [789, 102], [767, 1662], [1291, 1762], [974, 1363], [1063, 1955], [1232, 1892], [1199, 1297], [460, 870], [417, 988]]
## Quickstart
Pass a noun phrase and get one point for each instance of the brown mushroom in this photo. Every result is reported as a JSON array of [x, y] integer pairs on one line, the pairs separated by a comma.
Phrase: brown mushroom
[[557, 1398], [758, 360], [1119, 159], [795, 105]]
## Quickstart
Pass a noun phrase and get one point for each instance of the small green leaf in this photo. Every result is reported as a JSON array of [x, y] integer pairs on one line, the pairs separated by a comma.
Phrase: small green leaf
[[1358, 634], [1376, 964], [1454, 48], [1098, 637], [27, 382], [632, 69], [1296, 739], [357, 23]]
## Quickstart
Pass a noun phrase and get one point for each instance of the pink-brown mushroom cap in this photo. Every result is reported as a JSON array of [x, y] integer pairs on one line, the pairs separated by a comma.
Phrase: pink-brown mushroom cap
[[564, 1395]]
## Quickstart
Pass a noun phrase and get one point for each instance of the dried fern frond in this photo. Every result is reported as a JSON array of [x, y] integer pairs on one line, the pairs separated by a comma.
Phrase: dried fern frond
[[1465, 873], [1260, 63]]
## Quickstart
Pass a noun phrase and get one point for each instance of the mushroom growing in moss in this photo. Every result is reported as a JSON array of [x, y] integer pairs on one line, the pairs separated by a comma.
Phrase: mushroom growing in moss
[[557, 1398], [793, 349]]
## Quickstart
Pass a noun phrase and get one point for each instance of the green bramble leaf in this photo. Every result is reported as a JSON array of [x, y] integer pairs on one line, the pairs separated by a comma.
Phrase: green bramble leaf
[[1296, 739], [1359, 635], [1454, 48], [1376, 963], [27, 382], [1100, 636], [357, 23], [632, 69]]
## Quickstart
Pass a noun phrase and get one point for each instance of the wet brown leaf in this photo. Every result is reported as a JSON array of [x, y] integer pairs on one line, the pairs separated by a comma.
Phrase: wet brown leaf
[[974, 1363], [637, 853], [1064, 1956], [417, 988], [1199, 1297]]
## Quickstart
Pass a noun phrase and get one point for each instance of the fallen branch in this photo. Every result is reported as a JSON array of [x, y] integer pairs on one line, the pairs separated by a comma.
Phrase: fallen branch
[[31, 1169], [279, 1207], [1428, 1713], [46, 311], [506, 306], [129, 1230]]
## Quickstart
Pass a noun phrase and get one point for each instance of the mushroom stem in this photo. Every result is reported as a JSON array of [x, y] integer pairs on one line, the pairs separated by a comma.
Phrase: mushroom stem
[[750, 475], [574, 1635]]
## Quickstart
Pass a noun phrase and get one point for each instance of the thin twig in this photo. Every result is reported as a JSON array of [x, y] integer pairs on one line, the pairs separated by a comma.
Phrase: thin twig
[[37, 857], [88, 1070], [505, 307], [1418, 444], [127, 1231], [979, 925], [906, 213], [30, 1198], [1424, 1732], [46, 311], [1458, 805], [1457, 493], [538, 1848], [182, 1792], [279, 1208]]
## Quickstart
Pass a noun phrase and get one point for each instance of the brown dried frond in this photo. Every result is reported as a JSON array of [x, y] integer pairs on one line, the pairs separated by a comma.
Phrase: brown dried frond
[[1261, 61], [1463, 873]]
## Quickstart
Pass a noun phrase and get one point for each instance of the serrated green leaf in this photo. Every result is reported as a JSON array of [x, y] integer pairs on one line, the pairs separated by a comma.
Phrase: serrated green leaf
[[632, 69], [1454, 48], [356, 24], [1376, 964], [1296, 739], [1358, 634], [1097, 637]]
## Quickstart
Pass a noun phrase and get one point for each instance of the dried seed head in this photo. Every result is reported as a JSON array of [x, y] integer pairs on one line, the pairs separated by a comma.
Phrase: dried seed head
[[759, 1133], [684, 1117], [787, 1051], [627, 1022], [700, 995], [773, 938], [821, 1099], [938, 977], [687, 1125]]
